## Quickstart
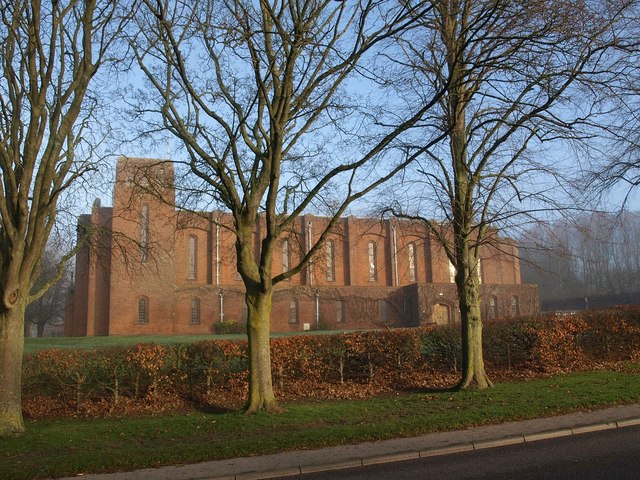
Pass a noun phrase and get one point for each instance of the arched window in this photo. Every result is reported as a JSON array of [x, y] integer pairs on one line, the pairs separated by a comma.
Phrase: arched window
[[195, 311], [293, 312], [372, 255], [143, 310], [515, 306], [192, 265], [441, 314], [144, 233], [331, 261], [412, 262], [493, 307]]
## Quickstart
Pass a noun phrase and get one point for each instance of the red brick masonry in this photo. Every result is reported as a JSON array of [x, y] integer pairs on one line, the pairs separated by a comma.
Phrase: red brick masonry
[[149, 269]]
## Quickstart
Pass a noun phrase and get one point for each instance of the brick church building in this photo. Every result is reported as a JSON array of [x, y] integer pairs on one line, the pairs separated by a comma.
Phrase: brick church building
[[147, 268]]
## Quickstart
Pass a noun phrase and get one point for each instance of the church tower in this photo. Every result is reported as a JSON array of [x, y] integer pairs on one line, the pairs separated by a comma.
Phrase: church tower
[[142, 266]]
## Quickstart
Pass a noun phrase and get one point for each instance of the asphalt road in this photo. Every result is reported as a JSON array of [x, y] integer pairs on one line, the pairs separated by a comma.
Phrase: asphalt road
[[611, 455]]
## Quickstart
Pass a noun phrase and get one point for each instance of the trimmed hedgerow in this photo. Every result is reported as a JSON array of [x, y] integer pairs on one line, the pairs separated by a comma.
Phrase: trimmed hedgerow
[[149, 378]]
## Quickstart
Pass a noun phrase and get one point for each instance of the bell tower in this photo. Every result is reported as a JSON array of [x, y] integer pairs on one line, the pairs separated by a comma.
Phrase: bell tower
[[142, 266]]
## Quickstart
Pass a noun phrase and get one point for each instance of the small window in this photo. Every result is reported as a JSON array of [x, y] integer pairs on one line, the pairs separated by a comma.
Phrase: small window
[[515, 306], [143, 311], [339, 311], [412, 262], [372, 260], [331, 261], [144, 233], [193, 258], [195, 311], [293, 312]]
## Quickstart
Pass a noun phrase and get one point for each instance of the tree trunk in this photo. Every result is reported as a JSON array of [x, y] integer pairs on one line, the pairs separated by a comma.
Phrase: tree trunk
[[473, 372], [11, 350], [261, 396]]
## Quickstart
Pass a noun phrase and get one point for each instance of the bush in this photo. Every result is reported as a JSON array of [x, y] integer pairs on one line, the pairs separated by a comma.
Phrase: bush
[[150, 378], [229, 327], [442, 347]]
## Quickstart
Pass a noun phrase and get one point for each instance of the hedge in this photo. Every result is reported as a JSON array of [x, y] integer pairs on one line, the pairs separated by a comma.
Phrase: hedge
[[150, 378]]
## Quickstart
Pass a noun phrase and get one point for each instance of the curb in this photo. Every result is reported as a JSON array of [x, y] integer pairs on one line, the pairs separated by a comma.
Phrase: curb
[[416, 454]]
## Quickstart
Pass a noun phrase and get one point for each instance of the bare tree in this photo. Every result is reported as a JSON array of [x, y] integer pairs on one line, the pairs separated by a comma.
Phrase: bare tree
[[49, 308], [50, 52], [257, 92], [518, 75], [612, 161]]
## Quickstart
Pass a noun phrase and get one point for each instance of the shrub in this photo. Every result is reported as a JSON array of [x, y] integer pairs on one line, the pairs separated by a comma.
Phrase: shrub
[[229, 327], [442, 347], [150, 378]]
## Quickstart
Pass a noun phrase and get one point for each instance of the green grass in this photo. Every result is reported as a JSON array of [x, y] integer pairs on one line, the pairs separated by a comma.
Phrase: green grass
[[32, 345], [65, 447]]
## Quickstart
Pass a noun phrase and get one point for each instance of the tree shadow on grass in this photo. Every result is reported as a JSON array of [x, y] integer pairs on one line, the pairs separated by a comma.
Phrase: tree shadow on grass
[[216, 409], [447, 389]]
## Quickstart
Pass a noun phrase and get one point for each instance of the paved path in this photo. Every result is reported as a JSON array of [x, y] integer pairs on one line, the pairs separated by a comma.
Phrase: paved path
[[306, 461]]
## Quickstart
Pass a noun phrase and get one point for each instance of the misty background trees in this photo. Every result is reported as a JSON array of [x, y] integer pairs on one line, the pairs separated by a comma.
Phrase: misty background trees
[[45, 315], [592, 261]]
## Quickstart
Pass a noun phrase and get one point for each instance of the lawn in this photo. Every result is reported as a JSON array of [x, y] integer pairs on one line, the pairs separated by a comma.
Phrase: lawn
[[64, 447], [32, 345]]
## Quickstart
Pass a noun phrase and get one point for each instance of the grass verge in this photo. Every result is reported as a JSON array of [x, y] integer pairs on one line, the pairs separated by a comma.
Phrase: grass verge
[[64, 447], [33, 345]]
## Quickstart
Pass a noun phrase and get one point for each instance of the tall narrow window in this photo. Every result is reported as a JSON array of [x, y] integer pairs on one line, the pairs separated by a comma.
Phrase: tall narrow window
[[412, 262], [195, 311], [331, 261], [515, 306], [339, 311], [144, 233], [372, 254], [452, 272], [143, 310], [479, 271], [493, 307], [293, 312], [285, 255], [193, 258], [384, 314]]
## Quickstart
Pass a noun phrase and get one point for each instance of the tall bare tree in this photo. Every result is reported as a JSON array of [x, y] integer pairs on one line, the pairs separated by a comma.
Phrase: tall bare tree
[[49, 53], [518, 75], [257, 93]]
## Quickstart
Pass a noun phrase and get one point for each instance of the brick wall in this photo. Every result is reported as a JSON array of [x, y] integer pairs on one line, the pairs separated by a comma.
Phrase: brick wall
[[182, 266]]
